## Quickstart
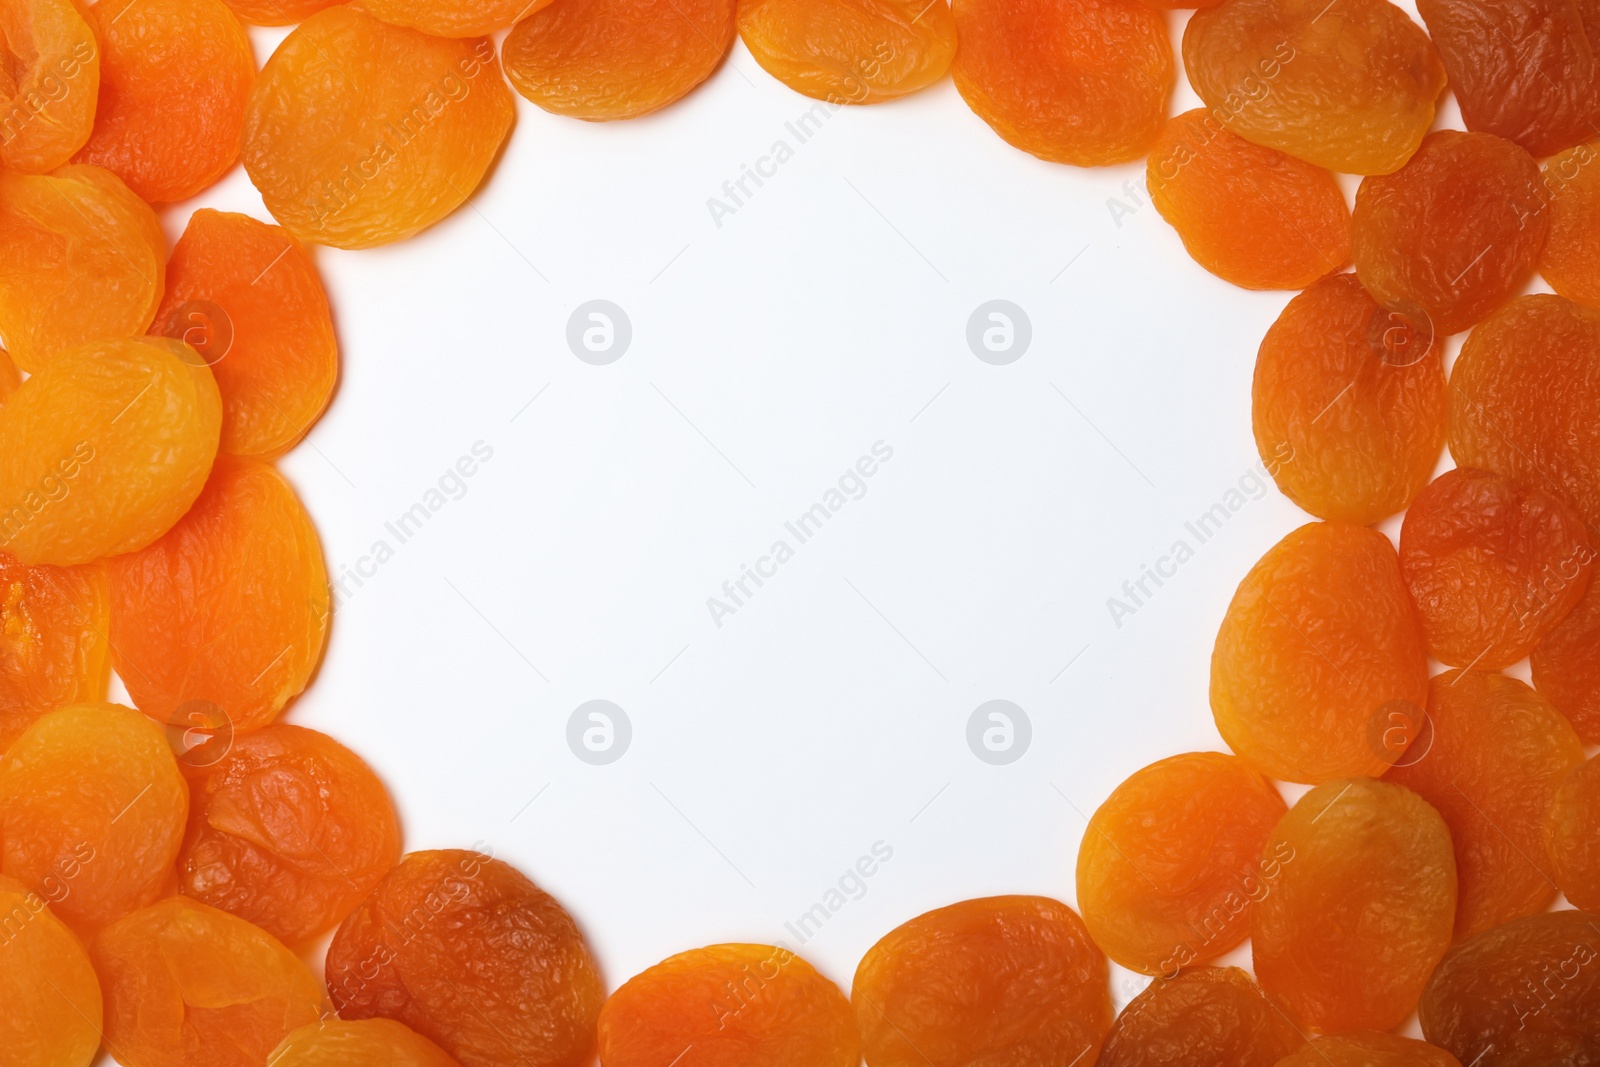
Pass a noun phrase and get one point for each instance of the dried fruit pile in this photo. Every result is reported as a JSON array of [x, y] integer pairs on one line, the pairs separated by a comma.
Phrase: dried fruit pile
[[161, 868]]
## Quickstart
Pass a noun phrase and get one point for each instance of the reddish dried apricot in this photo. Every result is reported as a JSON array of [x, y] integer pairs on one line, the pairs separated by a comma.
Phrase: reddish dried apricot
[[81, 259], [1571, 261], [1570, 837], [850, 51], [1362, 910], [1350, 87], [1566, 666], [365, 1043], [53, 623], [1003, 980], [1171, 861], [186, 984], [1071, 81], [382, 141], [1207, 1017], [50, 1009], [726, 1006], [617, 59], [469, 953], [1498, 751], [48, 84], [1370, 1049], [91, 811], [1348, 404], [456, 18], [1319, 643]]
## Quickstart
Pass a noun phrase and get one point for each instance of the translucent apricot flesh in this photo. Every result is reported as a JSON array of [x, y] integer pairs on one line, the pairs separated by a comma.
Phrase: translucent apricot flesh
[[365, 1043], [53, 625], [50, 1007], [49, 84], [850, 51], [1205, 1016]]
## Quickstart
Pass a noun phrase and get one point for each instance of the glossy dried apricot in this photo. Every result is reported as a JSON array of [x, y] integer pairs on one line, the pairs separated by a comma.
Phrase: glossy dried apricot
[[1454, 233], [81, 259], [1362, 910], [1571, 260], [1207, 1017], [1492, 565], [104, 449], [1319, 643], [469, 953], [365, 1043], [1004, 980], [617, 59], [9, 377], [1348, 404], [1525, 994], [1570, 838], [1496, 755], [360, 133], [91, 811], [1348, 86], [48, 83], [1369, 1049], [1566, 666], [725, 1006], [50, 1009], [53, 623], [1251, 215], [1171, 861], [850, 51], [187, 985], [277, 12], [454, 18], [1071, 81]]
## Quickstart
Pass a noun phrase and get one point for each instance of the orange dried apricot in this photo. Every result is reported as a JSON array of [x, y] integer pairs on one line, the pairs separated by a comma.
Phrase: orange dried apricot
[[1570, 838], [230, 607], [364, 1043], [50, 1009], [1207, 1017], [454, 18], [277, 12], [726, 1006], [1525, 994], [81, 259], [1251, 215], [360, 133], [1492, 565], [1003, 980], [617, 59], [470, 954], [1566, 666], [1369, 1048], [850, 51], [1498, 752], [91, 811], [1348, 86], [1454, 233], [1348, 404], [1362, 910], [1571, 261], [1171, 861], [1071, 81], [9, 376], [186, 984], [48, 83], [104, 449], [53, 623], [1319, 643]]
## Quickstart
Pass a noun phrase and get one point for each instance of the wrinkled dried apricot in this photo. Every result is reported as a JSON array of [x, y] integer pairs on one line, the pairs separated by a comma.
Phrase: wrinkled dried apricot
[[1084, 82], [186, 984], [1571, 260], [1566, 666], [91, 811], [1525, 994], [81, 259], [1362, 909], [277, 12], [1004, 980], [469, 953], [1570, 838], [725, 1006], [48, 83], [1497, 753], [1348, 86], [1251, 215], [1207, 1017], [50, 1009], [1369, 1049], [617, 59], [364, 1043], [382, 141], [1319, 643], [850, 51], [1348, 404], [53, 623], [104, 449], [9, 377], [456, 18], [1171, 861]]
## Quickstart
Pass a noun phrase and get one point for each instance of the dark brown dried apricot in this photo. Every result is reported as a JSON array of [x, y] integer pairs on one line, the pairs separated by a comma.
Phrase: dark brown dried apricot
[[53, 623], [1370, 1048], [1570, 838], [1207, 1017], [363, 1043], [850, 51], [48, 83], [50, 1008], [1571, 260]]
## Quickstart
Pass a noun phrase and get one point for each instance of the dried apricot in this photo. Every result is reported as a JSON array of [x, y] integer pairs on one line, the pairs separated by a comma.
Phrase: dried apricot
[[469, 953], [9, 377], [1492, 565], [53, 623], [1071, 81], [81, 259], [1369, 1048], [104, 449], [186, 984], [364, 1043], [1348, 86], [850, 51], [1348, 404], [91, 811], [380, 143], [617, 59], [1362, 909], [1498, 751], [1570, 838], [1171, 861], [290, 830], [1566, 666], [1207, 1017], [1571, 261], [50, 1008], [457, 18], [277, 12], [726, 1006], [1525, 994], [1002, 980], [48, 83], [1319, 643]]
